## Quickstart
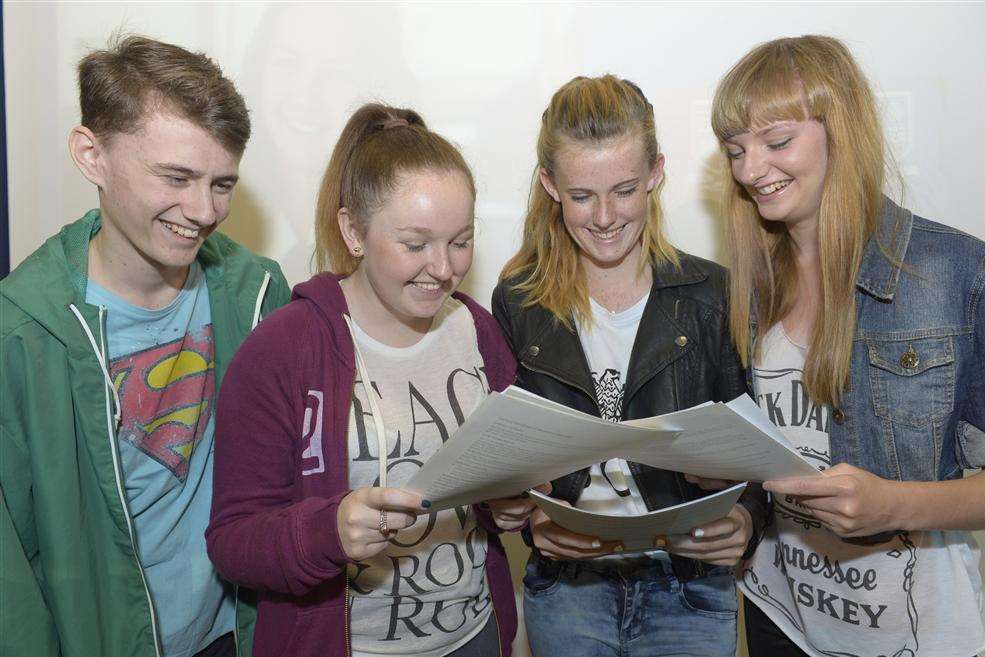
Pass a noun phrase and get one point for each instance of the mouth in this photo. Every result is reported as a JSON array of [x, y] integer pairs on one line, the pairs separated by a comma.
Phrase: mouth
[[773, 187], [182, 231], [607, 234], [426, 286]]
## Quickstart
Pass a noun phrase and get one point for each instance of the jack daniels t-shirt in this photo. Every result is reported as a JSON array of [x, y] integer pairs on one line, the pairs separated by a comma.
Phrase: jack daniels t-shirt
[[916, 595], [426, 594]]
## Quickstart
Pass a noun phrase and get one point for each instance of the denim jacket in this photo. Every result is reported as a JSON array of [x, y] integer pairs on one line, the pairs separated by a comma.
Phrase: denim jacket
[[915, 406]]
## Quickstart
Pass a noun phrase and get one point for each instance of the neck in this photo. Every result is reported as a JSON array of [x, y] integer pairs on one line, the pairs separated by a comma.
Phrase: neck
[[802, 315], [133, 279], [376, 319], [618, 287]]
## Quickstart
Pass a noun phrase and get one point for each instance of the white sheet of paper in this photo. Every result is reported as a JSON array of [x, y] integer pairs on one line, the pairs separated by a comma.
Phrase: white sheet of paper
[[516, 440], [638, 532], [512, 443], [721, 441]]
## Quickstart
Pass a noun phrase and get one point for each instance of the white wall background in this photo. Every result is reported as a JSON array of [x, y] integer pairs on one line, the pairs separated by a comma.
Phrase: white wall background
[[482, 74]]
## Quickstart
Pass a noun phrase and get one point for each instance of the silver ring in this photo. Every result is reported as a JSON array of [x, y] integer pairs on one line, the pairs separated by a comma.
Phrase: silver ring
[[384, 530]]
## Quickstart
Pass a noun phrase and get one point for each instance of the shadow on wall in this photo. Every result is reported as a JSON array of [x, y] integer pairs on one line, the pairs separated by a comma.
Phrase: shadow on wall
[[713, 185], [246, 223]]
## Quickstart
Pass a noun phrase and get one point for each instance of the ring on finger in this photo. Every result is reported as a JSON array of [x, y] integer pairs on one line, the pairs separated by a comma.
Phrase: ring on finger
[[384, 530]]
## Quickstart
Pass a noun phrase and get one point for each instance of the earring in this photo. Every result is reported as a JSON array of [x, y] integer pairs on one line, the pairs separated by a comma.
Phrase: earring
[[357, 251]]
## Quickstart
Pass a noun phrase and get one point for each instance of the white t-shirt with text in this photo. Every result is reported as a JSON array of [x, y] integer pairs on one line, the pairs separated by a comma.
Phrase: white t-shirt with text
[[916, 595]]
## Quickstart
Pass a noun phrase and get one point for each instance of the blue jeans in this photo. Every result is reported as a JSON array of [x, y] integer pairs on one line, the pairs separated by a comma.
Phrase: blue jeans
[[629, 608]]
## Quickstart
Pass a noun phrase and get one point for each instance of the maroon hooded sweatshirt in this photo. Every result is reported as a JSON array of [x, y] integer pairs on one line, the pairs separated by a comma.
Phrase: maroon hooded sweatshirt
[[281, 469]]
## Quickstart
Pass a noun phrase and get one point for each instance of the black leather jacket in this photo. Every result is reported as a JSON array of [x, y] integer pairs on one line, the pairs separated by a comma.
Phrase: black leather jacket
[[683, 356]]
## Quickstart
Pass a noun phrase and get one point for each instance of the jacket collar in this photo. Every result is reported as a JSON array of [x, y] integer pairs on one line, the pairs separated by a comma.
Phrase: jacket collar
[[56, 275], [885, 252], [557, 351]]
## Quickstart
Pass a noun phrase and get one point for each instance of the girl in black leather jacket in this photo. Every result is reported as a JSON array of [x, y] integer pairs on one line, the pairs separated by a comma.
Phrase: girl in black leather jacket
[[605, 316]]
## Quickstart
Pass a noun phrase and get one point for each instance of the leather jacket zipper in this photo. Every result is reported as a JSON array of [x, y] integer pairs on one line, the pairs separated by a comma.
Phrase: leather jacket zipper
[[590, 395]]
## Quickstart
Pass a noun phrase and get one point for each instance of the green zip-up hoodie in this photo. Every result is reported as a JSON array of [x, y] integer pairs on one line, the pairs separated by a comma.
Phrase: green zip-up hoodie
[[70, 580]]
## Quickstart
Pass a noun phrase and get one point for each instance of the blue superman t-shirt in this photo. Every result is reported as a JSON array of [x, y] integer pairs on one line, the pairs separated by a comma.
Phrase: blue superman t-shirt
[[162, 364]]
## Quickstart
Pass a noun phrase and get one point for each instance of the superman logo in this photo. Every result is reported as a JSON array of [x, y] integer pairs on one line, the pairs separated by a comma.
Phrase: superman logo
[[167, 393]]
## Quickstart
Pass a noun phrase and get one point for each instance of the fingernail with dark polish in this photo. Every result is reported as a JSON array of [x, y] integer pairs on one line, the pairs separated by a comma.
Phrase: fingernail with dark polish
[[425, 504]]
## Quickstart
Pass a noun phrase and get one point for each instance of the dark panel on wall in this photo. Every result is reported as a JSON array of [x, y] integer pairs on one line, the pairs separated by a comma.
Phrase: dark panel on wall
[[4, 223]]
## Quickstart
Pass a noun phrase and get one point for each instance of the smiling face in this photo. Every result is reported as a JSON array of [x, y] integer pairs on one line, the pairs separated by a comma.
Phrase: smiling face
[[782, 167], [416, 249], [162, 191], [602, 189]]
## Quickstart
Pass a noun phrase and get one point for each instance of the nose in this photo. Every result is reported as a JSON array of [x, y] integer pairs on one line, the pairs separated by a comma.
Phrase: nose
[[604, 216], [752, 167], [439, 264], [198, 206]]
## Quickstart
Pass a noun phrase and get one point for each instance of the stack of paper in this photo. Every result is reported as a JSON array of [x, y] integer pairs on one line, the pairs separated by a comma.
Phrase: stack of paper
[[516, 440]]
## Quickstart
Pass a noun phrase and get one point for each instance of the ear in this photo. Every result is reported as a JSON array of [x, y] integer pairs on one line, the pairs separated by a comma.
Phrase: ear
[[87, 152], [548, 184], [656, 174], [350, 232]]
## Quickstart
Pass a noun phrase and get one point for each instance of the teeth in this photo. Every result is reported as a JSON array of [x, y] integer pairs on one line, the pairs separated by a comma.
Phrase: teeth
[[769, 189], [430, 287], [606, 235], [181, 230]]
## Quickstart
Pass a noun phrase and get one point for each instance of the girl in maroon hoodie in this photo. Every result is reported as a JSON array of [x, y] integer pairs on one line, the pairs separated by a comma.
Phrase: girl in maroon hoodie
[[338, 398]]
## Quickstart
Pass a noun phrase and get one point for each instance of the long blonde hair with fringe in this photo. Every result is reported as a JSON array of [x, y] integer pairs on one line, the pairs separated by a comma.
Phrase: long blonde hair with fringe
[[584, 111], [804, 78]]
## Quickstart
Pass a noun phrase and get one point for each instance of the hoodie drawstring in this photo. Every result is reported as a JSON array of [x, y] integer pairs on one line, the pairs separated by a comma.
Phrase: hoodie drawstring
[[260, 296], [373, 406], [101, 357]]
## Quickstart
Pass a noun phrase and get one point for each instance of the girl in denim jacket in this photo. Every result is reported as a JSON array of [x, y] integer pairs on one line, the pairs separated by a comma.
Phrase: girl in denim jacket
[[863, 329]]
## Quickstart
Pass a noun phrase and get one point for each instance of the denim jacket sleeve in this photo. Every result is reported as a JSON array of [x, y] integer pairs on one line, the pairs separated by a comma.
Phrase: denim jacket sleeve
[[971, 425]]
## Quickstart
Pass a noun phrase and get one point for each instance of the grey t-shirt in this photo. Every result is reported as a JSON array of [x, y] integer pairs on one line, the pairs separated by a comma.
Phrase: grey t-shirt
[[426, 594]]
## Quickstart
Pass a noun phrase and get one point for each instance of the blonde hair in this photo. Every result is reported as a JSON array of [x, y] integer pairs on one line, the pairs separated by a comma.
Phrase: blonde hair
[[377, 145], [584, 111], [803, 78]]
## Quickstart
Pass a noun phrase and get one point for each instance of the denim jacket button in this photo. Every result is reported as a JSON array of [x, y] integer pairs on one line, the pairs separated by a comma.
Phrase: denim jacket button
[[838, 416], [910, 358]]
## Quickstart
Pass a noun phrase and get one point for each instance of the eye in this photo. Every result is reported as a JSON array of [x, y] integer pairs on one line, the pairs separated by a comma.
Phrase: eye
[[626, 192], [780, 144], [462, 244], [733, 154], [414, 247], [579, 198], [224, 188], [177, 181]]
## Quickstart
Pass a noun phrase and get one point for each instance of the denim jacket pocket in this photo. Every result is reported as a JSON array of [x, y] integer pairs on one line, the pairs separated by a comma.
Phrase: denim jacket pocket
[[912, 381]]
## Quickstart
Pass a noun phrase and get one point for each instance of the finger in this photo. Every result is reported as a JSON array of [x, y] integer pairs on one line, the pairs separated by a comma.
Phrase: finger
[[683, 543], [397, 520], [806, 486], [395, 499], [545, 488], [715, 529]]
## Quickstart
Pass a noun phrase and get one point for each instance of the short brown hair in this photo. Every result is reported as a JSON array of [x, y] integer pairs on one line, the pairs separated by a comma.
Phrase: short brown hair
[[378, 144], [135, 75]]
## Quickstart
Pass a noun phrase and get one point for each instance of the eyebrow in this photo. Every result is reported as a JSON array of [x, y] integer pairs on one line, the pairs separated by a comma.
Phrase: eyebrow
[[424, 232], [624, 183], [166, 168], [774, 126]]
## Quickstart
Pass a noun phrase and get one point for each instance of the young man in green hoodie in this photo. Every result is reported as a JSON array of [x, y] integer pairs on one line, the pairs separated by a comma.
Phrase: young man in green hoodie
[[115, 336]]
